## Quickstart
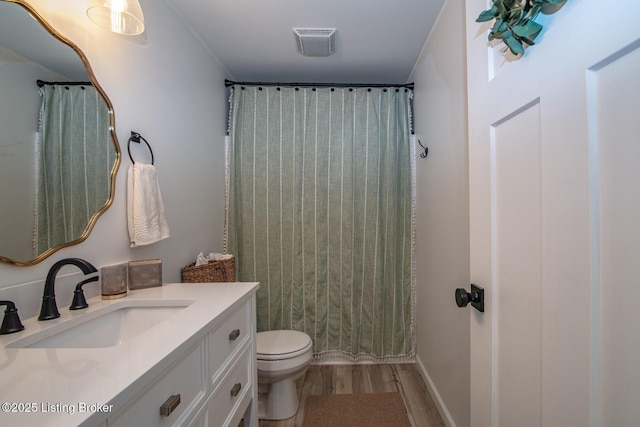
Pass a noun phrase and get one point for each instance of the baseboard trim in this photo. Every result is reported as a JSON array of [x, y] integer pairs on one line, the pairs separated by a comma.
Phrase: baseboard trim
[[431, 387]]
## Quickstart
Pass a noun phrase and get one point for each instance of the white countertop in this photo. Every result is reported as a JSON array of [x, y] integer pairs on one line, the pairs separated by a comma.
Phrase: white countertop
[[64, 386]]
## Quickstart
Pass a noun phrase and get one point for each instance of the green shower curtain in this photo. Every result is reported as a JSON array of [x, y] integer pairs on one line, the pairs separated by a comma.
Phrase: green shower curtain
[[320, 202], [75, 155]]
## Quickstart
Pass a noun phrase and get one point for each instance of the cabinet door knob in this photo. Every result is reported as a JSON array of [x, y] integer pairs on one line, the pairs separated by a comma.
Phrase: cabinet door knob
[[170, 405], [235, 389], [234, 334]]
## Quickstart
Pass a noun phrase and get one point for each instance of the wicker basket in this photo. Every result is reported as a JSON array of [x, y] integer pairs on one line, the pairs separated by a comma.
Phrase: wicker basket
[[215, 271]]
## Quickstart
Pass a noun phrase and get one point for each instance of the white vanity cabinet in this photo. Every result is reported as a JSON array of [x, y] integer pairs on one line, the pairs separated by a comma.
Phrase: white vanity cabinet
[[233, 370], [196, 362], [185, 379], [213, 384]]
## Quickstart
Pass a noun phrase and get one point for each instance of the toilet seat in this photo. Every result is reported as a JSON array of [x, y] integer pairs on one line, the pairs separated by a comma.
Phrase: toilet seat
[[282, 344]]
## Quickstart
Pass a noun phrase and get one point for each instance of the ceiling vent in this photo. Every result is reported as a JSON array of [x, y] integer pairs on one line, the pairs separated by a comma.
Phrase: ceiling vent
[[315, 41]]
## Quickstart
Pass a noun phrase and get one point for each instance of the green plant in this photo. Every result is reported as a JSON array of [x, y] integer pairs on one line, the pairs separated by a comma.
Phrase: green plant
[[515, 22]]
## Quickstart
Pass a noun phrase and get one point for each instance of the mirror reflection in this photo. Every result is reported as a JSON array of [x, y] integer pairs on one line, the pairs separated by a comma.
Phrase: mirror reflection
[[58, 153]]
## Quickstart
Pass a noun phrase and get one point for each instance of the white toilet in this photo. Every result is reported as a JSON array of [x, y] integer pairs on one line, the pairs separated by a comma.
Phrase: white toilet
[[283, 356]]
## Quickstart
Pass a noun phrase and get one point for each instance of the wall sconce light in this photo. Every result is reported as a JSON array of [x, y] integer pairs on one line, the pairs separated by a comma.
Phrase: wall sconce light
[[120, 16]]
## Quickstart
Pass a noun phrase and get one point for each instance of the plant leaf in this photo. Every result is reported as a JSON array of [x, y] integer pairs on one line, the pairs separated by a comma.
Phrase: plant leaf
[[499, 26], [553, 1], [528, 29], [487, 15], [502, 35], [514, 45], [526, 40], [535, 11], [514, 15]]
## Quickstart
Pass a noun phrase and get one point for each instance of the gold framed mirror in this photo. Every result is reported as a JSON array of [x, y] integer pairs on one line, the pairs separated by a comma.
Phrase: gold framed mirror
[[59, 153]]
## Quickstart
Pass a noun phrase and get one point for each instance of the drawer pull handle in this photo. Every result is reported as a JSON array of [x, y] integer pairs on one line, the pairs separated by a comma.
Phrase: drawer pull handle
[[170, 405], [235, 389], [234, 335]]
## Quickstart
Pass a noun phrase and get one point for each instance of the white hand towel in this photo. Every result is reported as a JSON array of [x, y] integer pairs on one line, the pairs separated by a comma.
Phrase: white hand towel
[[145, 210]]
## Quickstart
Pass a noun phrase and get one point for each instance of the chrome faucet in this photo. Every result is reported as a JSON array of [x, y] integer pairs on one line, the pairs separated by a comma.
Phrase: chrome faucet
[[49, 308]]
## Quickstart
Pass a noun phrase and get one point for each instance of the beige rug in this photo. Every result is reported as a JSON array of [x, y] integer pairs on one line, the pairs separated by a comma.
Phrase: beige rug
[[355, 410]]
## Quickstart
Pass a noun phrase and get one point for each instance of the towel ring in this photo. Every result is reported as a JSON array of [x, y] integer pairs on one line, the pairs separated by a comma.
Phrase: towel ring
[[136, 137]]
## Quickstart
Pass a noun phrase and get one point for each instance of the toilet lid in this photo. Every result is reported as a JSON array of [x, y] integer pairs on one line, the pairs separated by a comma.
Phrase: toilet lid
[[274, 345]]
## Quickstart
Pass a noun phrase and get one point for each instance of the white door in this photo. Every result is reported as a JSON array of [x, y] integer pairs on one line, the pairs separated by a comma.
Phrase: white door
[[554, 149]]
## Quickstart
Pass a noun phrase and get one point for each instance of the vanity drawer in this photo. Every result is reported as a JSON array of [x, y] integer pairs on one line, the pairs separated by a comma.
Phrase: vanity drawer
[[227, 338], [186, 379], [230, 394]]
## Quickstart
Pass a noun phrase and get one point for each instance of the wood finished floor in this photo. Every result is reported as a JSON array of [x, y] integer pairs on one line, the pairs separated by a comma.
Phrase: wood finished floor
[[342, 379]]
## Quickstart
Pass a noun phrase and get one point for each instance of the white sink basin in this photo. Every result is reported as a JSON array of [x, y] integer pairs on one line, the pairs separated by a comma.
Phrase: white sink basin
[[106, 327]]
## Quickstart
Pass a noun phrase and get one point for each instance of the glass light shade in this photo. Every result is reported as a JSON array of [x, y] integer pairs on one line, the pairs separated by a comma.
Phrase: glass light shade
[[120, 16]]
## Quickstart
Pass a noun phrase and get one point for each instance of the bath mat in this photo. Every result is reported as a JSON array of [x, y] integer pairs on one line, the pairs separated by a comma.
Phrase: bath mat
[[355, 410]]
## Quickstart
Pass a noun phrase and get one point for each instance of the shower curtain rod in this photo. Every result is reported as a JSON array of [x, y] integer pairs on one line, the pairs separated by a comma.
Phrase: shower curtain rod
[[228, 83], [41, 83]]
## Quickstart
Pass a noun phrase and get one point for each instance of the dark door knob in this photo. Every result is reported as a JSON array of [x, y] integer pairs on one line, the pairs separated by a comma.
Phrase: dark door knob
[[475, 297]]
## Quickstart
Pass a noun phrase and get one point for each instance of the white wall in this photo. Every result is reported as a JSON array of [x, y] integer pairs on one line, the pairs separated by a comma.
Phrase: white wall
[[166, 86], [443, 214]]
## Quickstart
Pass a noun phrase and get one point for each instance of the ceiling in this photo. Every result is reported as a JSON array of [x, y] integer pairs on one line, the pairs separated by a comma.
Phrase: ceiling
[[377, 41]]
